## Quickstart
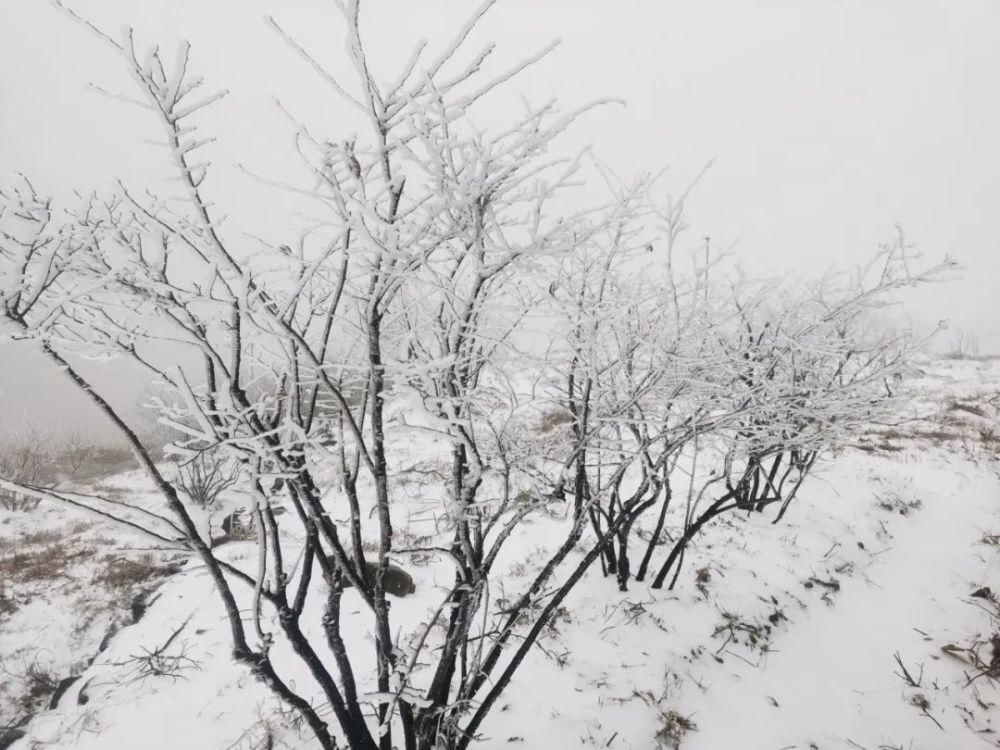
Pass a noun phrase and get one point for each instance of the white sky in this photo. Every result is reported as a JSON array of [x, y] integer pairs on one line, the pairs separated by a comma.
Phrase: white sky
[[830, 120]]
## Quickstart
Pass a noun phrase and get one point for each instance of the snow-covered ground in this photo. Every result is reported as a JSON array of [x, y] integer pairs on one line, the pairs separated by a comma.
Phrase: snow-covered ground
[[68, 582], [852, 624]]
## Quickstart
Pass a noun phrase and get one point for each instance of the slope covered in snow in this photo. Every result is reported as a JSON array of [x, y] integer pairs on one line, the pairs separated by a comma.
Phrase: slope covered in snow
[[864, 619]]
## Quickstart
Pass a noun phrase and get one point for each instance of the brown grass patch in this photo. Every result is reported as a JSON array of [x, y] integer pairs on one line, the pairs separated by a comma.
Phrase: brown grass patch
[[933, 435], [124, 574], [45, 564], [896, 503], [41, 537], [554, 419], [973, 409]]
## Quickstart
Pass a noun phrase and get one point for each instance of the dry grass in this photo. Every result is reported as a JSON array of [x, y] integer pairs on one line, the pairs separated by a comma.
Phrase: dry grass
[[46, 536], [553, 420], [963, 356], [51, 561], [883, 446], [968, 408], [674, 727], [123, 574], [993, 540], [37, 685], [8, 604], [702, 577], [895, 503], [738, 631]]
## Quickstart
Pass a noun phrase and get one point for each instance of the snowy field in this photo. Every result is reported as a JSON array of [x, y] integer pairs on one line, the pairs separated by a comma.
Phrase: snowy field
[[863, 620], [373, 379]]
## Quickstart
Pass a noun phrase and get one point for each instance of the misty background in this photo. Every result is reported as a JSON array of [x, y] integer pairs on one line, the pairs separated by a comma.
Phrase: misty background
[[828, 122]]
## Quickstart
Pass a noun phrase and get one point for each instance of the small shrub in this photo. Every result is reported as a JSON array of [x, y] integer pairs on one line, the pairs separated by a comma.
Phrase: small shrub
[[205, 478], [77, 452], [37, 684], [559, 616], [702, 577], [24, 459], [673, 730], [40, 537], [239, 526]]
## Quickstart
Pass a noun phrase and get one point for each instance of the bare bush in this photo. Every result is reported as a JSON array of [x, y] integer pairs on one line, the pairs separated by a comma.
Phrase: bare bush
[[77, 451], [673, 728], [171, 659], [26, 459], [205, 477], [36, 684], [964, 345]]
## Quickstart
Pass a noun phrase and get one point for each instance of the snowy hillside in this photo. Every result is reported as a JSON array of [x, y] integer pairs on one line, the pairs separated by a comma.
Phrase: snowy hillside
[[865, 619]]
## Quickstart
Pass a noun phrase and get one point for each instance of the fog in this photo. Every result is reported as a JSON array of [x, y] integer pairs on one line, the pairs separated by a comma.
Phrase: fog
[[828, 122]]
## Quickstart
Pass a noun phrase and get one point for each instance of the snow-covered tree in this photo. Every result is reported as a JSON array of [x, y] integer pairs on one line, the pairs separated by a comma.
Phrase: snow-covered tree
[[446, 325]]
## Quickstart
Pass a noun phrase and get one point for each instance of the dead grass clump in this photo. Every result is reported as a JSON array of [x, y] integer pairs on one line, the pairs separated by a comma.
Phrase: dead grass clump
[[673, 730], [702, 577], [880, 441], [559, 616], [554, 419], [41, 537], [895, 503], [989, 667], [244, 533], [738, 631], [883, 447], [45, 564], [170, 659], [989, 437], [121, 574], [920, 702], [982, 654], [8, 604], [973, 409], [37, 685], [892, 434], [239, 526], [79, 527], [936, 435]]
